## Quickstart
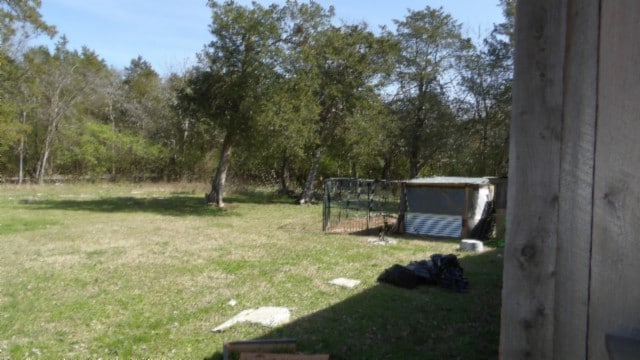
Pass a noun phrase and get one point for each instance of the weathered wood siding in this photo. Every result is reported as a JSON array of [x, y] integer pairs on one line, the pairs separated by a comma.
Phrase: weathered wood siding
[[576, 180], [615, 267], [572, 259], [534, 182]]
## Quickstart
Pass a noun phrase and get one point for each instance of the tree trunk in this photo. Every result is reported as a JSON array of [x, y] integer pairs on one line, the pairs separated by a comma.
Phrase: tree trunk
[[21, 152], [307, 193], [21, 161], [414, 162], [284, 173], [418, 126], [58, 106], [218, 182], [113, 142], [44, 157], [386, 169]]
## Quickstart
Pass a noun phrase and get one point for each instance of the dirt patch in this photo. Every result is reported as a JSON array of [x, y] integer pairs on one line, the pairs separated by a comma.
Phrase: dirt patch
[[373, 224]]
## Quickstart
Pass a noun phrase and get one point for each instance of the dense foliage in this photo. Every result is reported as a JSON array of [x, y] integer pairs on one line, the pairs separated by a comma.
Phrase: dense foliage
[[281, 95]]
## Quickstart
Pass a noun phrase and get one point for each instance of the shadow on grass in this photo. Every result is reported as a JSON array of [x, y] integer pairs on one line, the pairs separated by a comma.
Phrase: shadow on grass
[[171, 205], [386, 322], [258, 197], [374, 233]]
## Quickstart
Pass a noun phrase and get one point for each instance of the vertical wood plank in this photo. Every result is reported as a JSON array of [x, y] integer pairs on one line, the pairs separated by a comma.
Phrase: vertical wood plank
[[527, 327], [576, 181], [615, 281]]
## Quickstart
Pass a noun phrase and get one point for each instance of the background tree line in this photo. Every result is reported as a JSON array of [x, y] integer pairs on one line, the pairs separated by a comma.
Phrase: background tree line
[[281, 95]]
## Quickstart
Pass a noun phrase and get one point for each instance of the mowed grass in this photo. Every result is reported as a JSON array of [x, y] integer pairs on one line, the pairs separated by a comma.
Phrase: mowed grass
[[146, 271]]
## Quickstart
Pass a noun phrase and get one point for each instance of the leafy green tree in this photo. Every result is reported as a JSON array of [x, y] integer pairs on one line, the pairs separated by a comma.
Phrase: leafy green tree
[[430, 43], [423, 138], [61, 80], [294, 107], [347, 63], [503, 36], [96, 108], [142, 104], [366, 138], [19, 20], [290, 94], [485, 76], [11, 128], [486, 125], [196, 136], [232, 87], [95, 147], [147, 109]]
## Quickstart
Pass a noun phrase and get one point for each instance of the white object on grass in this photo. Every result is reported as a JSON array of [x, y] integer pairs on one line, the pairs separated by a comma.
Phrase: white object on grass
[[471, 245], [268, 316], [386, 241], [349, 283]]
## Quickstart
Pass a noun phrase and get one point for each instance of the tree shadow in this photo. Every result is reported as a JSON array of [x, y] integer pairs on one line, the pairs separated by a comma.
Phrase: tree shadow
[[169, 205], [259, 197], [387, 322], [372, 233]]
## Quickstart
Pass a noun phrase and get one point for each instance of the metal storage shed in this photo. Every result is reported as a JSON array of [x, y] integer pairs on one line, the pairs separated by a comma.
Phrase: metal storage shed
[[444, 206]]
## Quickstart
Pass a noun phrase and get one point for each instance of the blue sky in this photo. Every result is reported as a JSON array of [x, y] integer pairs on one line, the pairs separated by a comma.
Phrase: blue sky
[[168, 33]]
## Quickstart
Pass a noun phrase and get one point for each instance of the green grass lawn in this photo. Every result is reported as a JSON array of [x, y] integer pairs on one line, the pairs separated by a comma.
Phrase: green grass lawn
[[146, 271]]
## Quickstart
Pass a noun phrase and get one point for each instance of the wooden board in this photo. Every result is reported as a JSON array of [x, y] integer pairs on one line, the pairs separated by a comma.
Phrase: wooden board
[[576, 180], [259, 346], [263, 356], [614, 304], [572, 272], [527, 328]]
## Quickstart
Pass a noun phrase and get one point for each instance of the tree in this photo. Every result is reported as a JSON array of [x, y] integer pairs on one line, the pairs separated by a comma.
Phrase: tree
[[486, 75], [19, 20], [10, 125], [196, 136], [60, 80], [486, 82], [430, 43], [146, 110], [295, 105], [346, 64], [142, 104], [231, 87], [365, 138], [98, 136], [423, 137]]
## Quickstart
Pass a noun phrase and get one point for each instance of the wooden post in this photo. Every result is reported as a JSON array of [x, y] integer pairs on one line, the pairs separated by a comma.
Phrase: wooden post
[[571, 258], [326, 205], [465, 216], [527, 328], [402, 208]]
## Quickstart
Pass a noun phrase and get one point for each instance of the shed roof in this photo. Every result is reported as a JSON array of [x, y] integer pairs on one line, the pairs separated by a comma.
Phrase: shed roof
[[449, 180]]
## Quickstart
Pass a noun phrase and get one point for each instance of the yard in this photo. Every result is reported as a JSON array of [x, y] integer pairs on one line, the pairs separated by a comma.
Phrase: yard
[[146, 271]]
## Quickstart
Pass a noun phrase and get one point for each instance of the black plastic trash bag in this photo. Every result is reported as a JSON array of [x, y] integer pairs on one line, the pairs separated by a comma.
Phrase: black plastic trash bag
[[426, 270], [401, 276], [450, 273], [441, 270]]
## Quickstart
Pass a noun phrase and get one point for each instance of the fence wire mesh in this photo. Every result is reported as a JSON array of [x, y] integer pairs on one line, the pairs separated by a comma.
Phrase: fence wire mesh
[[360, 205]]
